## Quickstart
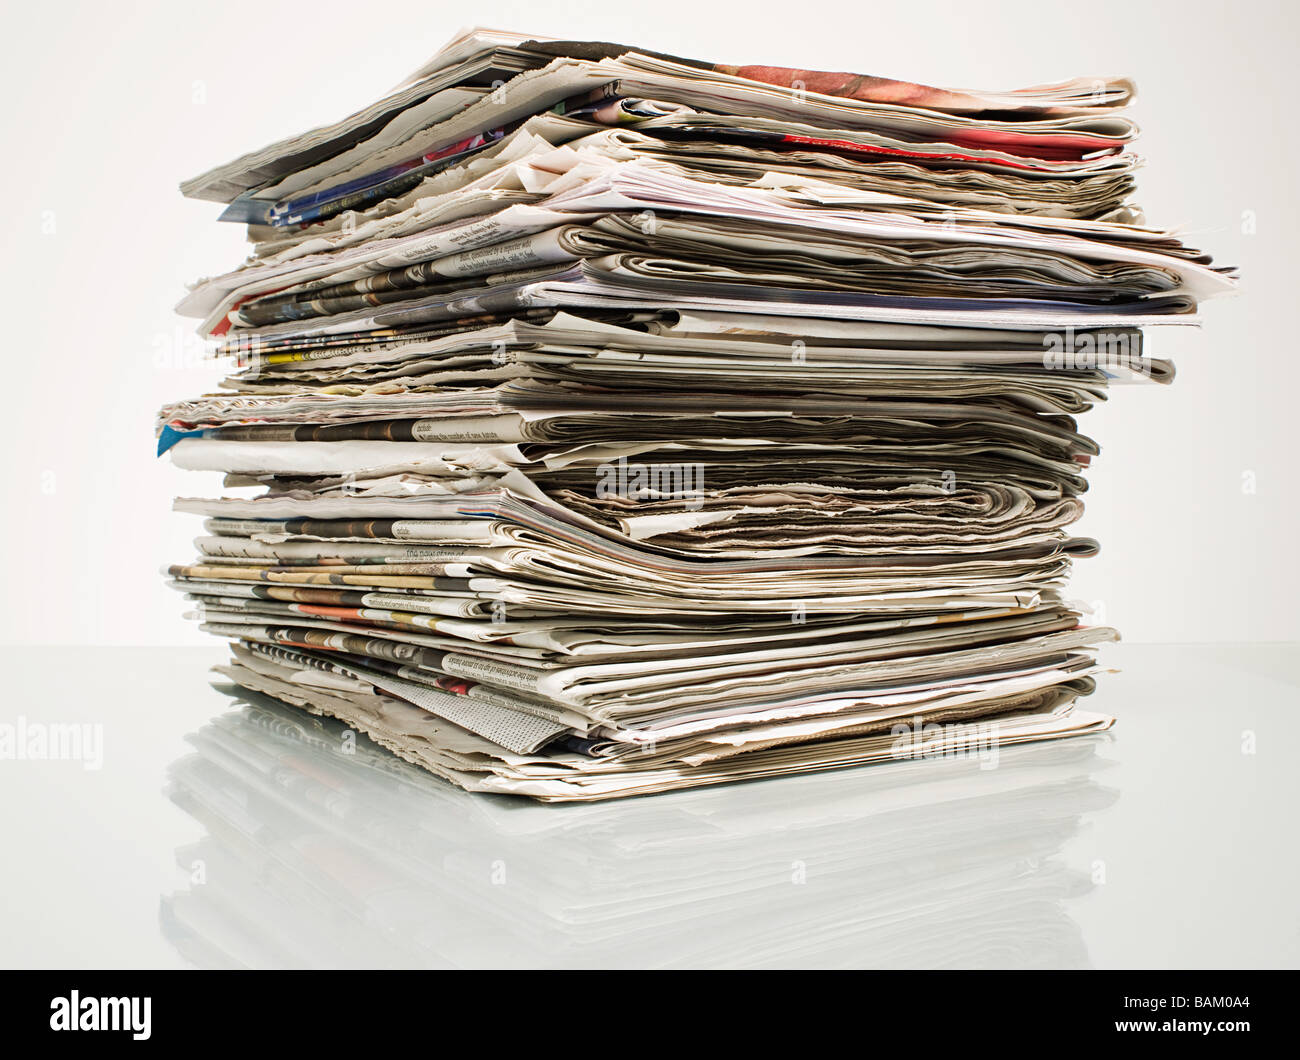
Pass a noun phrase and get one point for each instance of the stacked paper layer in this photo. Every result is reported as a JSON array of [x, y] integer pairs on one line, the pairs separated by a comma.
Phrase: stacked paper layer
[[604, 422]]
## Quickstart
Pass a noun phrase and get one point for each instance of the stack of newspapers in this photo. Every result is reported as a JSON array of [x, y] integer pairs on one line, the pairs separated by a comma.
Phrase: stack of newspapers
[[603, 422]]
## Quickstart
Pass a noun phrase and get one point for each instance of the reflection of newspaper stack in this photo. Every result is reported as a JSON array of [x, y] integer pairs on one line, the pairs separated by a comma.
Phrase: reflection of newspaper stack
[[314, 857], [624, 423]]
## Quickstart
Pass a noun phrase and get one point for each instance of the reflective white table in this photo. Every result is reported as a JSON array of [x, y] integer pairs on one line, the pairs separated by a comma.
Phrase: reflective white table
[[200, 827]]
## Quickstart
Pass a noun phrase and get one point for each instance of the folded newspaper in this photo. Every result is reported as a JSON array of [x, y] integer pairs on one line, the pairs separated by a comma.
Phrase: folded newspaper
[[601, 422]]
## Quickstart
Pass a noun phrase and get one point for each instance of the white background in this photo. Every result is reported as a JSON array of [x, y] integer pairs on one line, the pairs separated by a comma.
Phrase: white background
[[109, 106]]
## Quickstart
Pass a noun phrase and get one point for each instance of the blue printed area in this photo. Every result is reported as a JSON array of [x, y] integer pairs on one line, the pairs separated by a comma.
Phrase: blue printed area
[[170, 436]]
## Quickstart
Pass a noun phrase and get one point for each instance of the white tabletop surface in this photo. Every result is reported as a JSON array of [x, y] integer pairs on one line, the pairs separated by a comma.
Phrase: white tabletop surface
[[208, 837]]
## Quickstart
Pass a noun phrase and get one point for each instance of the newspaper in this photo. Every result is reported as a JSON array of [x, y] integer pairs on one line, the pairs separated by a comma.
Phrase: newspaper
[[599, 422]]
